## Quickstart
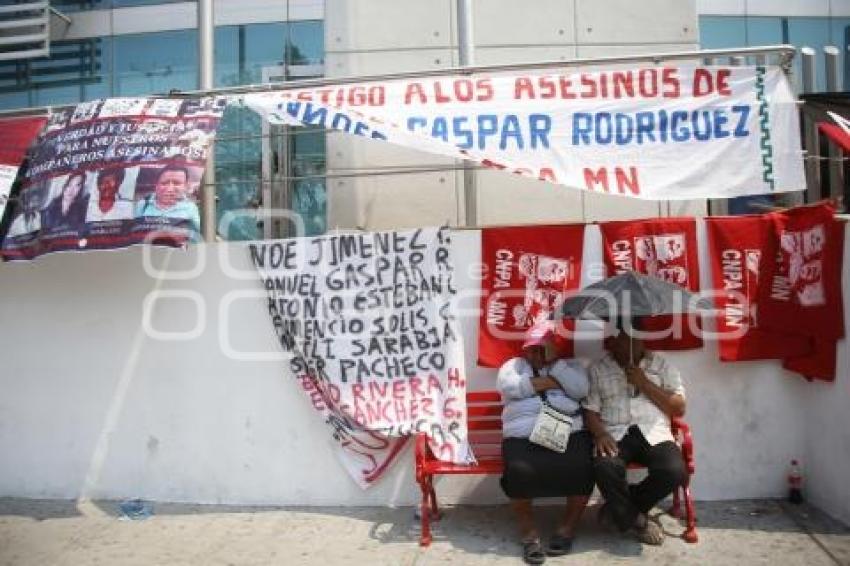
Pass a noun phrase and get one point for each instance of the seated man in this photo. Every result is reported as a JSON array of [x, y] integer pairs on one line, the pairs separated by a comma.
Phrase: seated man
[[633, 394]]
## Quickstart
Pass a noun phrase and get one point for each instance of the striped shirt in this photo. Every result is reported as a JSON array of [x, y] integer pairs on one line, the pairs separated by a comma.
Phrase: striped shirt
[[612, 397]]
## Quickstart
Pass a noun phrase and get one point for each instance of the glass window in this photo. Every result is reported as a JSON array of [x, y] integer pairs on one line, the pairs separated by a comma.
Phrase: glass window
[[764, 31], [97, 81], [811, 32], [82, 5], [14, 100], [123, 3], [155, 63], [309, 196], [721, 32], [238, 172], [45, 96], [64, 76], [241, 52], [306, 43]]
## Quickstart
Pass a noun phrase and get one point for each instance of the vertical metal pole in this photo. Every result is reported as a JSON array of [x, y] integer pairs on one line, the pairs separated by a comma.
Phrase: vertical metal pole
[[836, 169], [206, 47], [810, 129], [466, 56]]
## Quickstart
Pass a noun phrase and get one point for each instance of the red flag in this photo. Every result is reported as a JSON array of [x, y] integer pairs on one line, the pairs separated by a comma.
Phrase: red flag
[[821, 362], [16, 135], [665, 248], [804, 291], [526, 273], [736, 247]]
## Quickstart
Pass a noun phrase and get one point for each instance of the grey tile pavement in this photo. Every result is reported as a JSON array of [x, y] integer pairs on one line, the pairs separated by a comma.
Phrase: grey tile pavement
[[38, 532]]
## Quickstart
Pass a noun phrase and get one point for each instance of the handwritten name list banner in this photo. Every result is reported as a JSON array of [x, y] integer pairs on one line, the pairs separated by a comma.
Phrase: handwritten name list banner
[[368, 323]]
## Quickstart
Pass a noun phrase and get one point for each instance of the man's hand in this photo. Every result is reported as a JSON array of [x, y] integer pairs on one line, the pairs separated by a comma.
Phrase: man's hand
[[604, 446], [635, 375]]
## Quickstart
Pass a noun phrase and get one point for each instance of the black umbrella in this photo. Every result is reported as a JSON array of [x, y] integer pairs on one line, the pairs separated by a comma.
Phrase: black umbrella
[[629, 294]]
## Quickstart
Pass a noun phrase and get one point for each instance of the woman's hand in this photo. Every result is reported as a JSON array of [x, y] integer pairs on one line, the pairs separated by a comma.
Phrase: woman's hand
[[541, 384]]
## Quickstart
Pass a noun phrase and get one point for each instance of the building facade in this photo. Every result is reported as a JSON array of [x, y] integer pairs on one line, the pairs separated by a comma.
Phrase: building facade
[[139, 47]]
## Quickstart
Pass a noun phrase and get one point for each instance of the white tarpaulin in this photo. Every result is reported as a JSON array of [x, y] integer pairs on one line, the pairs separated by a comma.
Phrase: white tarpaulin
[[651, 132], [368, 322]]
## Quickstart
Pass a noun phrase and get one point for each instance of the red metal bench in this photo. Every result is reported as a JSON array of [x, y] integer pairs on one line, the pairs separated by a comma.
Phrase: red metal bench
[[484, 417]]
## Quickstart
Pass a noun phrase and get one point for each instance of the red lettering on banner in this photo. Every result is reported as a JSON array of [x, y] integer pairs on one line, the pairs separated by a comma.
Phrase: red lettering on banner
[[547, 174], [544, 174], [415, 89], [355, 95], [454, 378], [377, 389], [434, 385], [399, 389], [707, 82], [648, 83], [641, 83], [595, 87], [397, 401], [426, 406], [623, 83], [357, 392], [624, 179], [723, 82], [523, 88], [458, 90], [670, 80], [594, 178], [416, 387], [439, 97], [566, 88]]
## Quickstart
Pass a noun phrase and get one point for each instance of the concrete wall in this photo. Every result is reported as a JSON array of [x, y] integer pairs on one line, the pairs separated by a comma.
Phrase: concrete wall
[[95, 403], [391, 36], [786, 8], [826, 466]]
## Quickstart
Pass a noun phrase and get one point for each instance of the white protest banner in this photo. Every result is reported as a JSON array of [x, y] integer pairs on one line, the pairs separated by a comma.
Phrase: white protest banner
[[368, 322], [651, 132]]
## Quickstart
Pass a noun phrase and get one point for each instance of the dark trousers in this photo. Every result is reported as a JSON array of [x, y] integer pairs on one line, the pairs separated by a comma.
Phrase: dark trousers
[[666, 472]]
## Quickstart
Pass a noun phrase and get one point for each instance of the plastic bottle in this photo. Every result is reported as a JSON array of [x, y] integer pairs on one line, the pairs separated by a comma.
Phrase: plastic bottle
[[795, 483]]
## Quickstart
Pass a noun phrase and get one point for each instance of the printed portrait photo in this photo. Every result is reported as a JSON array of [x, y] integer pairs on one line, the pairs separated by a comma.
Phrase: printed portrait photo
[[112, 194]]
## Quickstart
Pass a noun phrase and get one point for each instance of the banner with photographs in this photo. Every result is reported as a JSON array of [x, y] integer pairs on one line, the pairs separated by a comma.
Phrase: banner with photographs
[[16, 135], [112, 173], [367, 321]]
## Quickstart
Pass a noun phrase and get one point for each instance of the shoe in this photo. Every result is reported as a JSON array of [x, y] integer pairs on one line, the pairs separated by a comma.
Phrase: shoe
[[559, 545], [532, 552]]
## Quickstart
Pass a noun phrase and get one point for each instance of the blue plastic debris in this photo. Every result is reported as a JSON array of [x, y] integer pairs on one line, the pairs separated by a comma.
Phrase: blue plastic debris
[[136, 509]]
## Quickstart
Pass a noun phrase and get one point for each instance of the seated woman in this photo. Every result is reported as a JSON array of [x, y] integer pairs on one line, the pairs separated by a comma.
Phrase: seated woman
[[532, 470]]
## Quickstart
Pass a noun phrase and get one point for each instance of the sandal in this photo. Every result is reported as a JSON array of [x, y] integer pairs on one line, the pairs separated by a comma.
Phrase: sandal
[[559, 545], [651, 533], [532, 552]]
